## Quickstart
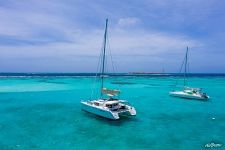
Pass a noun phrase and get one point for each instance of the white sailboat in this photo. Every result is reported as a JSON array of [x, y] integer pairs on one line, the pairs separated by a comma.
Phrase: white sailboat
[[189, 92], [109, 107]]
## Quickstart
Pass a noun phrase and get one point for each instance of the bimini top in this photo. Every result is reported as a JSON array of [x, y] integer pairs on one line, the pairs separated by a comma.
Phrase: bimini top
[[110, 92]]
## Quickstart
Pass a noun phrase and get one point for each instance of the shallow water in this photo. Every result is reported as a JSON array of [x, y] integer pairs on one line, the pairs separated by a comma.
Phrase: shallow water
[[44, 113]]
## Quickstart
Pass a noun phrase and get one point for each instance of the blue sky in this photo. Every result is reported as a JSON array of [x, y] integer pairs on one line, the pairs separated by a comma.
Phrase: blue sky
[[144, 35]]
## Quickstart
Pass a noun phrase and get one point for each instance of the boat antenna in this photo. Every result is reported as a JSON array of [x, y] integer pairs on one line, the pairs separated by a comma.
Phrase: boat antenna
[[103, 60], [185, 67]]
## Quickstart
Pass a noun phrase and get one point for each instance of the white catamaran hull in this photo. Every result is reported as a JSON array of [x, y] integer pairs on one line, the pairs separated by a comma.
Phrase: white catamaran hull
[[106, 113], [182, 94], [99, 111]]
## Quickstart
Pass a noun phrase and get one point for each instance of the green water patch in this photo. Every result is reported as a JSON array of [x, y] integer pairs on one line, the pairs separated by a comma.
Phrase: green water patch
[[33, 86]]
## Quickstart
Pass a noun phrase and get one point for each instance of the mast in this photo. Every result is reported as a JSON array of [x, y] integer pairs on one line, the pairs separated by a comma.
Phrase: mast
[[185, 67], [103, 59]]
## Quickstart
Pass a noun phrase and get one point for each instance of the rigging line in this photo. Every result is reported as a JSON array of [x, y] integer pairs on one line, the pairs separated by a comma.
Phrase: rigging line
[[98, 92], [110, 53], [98, 69], [179, 72], [95, 78], [106, 62], [188, 70], [185, 67], [103, 60], [188, 67]]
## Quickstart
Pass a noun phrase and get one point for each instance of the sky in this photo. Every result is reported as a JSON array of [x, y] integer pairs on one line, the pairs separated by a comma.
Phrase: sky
[[143, 35]]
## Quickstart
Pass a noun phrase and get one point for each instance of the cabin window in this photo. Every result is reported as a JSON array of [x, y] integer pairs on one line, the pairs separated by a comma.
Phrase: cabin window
[[97, 104], [109, 106]]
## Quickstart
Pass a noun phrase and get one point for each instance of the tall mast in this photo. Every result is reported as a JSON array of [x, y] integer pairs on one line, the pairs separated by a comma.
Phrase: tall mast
[[185, 67], [103, 60]]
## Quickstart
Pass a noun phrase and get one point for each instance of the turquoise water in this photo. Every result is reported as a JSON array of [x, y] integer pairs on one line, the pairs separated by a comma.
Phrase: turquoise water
[[44, 113]]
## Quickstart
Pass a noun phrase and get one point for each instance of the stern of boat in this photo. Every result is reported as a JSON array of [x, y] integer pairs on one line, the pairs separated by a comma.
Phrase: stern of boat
[[132, 111]]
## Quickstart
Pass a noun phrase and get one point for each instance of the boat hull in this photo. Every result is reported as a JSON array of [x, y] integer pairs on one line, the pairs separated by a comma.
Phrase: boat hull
[[182, 94], [98, 111]]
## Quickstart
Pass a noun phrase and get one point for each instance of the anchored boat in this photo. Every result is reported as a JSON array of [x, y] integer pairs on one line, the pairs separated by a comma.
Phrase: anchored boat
[[189, 92], [109, 107]]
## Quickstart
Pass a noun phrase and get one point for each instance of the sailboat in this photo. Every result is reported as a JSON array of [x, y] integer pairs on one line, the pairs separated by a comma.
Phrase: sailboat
[[110, 107], [189, 92]]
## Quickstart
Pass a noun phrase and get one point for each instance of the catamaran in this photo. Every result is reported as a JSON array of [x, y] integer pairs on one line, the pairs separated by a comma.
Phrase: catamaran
[[110, 107], [189, 92]]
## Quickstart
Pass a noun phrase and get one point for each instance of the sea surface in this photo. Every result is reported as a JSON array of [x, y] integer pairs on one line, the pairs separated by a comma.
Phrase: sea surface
[[43, 112]]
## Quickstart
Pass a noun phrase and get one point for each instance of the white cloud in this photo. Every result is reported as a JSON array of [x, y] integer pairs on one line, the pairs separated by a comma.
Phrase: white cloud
[[144, 42], [138, 46], [72, 31], [122, 42], [130, 21]]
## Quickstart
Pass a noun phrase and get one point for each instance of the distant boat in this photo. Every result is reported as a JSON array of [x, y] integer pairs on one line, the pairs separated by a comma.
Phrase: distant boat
[[109, 107], [189, 92]]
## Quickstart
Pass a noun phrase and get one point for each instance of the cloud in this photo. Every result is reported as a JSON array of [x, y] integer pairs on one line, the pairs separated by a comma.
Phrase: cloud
[[84, 48], [69, 34], [130, 21]]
